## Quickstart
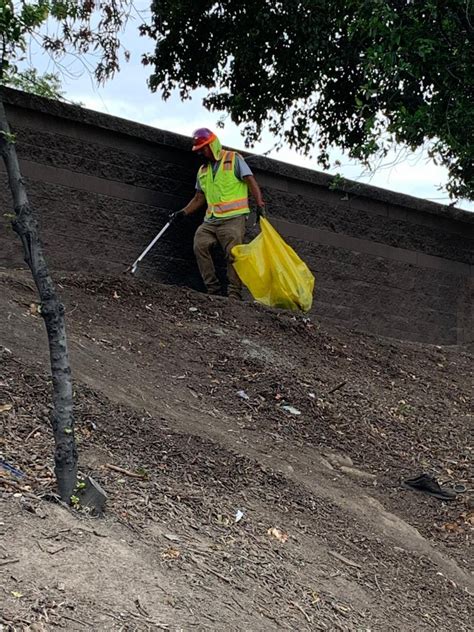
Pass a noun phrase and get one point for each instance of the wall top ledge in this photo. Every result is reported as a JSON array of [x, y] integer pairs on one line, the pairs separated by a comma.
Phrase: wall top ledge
[[78, 114]]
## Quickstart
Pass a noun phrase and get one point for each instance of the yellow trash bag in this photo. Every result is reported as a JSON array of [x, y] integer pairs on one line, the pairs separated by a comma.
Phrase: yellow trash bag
[[273, 272]]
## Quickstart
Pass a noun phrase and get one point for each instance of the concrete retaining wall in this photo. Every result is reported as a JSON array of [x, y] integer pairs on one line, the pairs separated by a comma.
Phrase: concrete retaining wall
[[102, 187]]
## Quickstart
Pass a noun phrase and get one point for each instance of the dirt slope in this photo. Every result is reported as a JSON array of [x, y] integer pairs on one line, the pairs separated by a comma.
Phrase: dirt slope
[[158, 371]]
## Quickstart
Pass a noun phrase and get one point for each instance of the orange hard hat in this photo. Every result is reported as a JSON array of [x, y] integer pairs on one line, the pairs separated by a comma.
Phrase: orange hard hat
[[202, 137]]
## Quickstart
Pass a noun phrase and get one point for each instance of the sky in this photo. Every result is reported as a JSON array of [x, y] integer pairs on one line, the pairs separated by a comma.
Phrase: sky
[[128, 96]]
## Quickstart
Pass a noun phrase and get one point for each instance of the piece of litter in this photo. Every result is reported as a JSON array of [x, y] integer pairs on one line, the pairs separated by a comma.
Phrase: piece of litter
[[239, 515], [4, 408], [193, 309], [242, 395], [429, 485], [291, 409], [8, 467], [279, 535], [171, 537], [312, 395]]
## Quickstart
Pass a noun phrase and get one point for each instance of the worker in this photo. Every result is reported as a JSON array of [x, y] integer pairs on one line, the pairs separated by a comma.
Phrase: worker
[[223, 182]]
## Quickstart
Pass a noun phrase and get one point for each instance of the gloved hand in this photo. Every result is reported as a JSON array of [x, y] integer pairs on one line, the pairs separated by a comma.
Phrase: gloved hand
[[260, 212], [172, 217]]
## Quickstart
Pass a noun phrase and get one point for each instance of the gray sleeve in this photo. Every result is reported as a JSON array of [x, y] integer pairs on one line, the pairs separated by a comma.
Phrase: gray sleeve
[[198, 186], [241, 168]]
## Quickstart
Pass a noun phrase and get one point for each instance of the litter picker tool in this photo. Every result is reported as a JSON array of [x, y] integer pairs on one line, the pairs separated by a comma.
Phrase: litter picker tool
[[133, 268]]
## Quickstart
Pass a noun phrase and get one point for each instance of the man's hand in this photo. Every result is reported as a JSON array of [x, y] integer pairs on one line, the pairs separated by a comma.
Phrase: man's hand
[[194, 205], [260, 212], [172, 217]]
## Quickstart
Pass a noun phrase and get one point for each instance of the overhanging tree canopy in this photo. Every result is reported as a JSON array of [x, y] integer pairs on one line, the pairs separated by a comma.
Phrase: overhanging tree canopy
[[362, 76]]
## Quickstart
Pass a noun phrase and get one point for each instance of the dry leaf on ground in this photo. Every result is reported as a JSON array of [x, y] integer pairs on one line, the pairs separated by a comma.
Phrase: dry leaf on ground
[[279, 535], [170, 553]]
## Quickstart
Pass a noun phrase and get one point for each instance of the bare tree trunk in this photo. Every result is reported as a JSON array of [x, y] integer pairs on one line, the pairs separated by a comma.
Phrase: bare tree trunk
[[52, 310]]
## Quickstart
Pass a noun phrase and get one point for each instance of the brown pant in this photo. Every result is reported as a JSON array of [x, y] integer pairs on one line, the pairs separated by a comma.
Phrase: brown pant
[[228, 233]]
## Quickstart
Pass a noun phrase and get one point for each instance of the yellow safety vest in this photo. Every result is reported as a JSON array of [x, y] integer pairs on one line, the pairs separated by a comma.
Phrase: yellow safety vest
[[226, 195]]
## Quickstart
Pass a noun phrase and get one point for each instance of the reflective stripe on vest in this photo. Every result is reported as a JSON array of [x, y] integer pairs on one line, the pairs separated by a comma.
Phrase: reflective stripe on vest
[[226, 195]]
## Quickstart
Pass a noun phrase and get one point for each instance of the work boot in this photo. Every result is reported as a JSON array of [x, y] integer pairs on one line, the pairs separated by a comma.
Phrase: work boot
[[214, 291], [429, 485], [234, 295]]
